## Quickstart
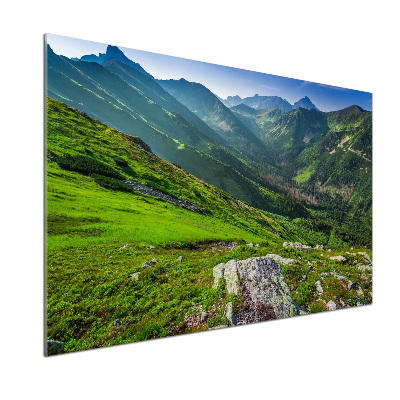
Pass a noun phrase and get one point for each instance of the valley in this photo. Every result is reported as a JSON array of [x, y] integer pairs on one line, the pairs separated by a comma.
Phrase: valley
[[161, 197]]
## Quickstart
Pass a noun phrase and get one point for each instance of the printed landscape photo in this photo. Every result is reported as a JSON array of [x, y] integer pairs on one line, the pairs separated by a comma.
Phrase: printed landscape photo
[[183, 196]]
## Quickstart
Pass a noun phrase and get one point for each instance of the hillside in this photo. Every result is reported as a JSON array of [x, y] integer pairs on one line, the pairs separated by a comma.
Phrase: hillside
[[337, 168], [206, 105], [102, 94], [152, 90], [261, 158], [125, 266], [322, 159]]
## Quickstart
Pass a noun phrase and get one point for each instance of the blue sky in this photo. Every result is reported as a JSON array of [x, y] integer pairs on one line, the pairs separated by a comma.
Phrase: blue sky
[[221, 80]]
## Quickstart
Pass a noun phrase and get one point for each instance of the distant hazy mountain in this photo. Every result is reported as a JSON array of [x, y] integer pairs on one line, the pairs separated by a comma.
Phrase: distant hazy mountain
[[232, 101], [268, 102], [305, 102]]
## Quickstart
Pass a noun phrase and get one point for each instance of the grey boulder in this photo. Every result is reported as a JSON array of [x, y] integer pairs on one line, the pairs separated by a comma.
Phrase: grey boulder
[[263, 286]]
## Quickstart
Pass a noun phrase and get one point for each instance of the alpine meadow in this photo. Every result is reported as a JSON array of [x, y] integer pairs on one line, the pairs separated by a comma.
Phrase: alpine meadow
[[179, 201]]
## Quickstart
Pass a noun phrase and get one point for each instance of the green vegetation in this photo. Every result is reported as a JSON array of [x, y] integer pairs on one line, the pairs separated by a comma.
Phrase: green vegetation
[[305, 175], [135, 104], [93, 298], [124, 266], [323, 160]]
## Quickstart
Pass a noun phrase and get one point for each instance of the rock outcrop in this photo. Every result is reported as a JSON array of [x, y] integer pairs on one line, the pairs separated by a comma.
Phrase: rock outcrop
[[296, 246], [142, 188], [338, 258], [262, 286]]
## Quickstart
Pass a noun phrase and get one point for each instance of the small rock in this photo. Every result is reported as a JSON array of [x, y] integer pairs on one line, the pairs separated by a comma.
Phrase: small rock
[[146, 265], [296, 245], [180, 258], [54, 347], [230, 315], [339, 258], [319, 247], [319, 287], [154, 261], [352, 285], [366, 256], [149, 247], [126, 246], [363, 267], [341, 278], [331, 305], [250, 244], [117, 322], [203, 316], [135, 276], [257, 245]]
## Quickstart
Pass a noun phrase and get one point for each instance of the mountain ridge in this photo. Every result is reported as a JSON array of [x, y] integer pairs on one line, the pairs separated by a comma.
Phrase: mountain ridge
[[113, 52], [268, 153], [268, 102]]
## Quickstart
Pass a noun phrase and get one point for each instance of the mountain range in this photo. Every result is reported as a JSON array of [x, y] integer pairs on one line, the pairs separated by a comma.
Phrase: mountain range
[[268, 102], [291, 160], [156, 190]]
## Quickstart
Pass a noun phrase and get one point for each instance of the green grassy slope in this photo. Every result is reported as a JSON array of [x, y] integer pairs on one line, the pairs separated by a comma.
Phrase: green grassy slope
[[89, 283], [151, 89], [126, 155], [92, 299]]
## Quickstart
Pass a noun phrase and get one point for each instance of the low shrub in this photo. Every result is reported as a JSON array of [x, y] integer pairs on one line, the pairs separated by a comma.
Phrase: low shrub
[[87, 165]]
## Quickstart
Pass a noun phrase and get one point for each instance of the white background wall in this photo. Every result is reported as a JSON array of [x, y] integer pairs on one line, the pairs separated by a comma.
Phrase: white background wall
[[345, 354]]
